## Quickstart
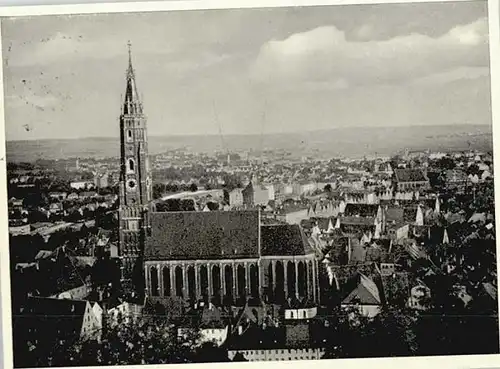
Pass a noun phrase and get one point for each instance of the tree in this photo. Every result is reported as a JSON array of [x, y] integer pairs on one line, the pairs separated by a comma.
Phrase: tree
[[193, 187], [145, 340], [328, 188]]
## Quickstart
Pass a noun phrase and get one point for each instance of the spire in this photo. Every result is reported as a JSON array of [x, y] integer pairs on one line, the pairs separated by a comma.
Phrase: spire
[[132, 104]]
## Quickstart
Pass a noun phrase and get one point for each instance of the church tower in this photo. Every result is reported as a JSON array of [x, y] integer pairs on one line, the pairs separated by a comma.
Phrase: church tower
[[135, 181]]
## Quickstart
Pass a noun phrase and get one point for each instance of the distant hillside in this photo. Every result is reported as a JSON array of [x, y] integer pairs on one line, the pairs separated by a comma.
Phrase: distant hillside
[[349, 142]]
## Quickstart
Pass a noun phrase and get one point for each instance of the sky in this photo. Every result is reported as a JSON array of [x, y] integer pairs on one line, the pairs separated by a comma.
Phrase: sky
[[249, 71]]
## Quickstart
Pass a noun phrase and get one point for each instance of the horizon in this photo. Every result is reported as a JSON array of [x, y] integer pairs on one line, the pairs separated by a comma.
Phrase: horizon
[[450, 126]]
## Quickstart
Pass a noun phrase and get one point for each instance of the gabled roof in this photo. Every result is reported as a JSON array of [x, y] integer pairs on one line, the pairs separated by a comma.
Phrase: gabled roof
[[362, 210], [366, 293], [203, 235], [394, 214], [54, 318], [361, 221], [410, 175]]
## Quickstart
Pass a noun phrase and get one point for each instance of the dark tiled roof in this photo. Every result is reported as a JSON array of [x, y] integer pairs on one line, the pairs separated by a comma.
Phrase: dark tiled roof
[[258, 338], [362, 210], [410, 214], [284, 239], [338, 253], [394, 214], [410, 175], [366, 221], [203, 235], [53, 318]]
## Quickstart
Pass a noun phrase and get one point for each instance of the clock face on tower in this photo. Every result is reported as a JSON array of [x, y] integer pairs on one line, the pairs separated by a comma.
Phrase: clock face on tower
[[131, 185]]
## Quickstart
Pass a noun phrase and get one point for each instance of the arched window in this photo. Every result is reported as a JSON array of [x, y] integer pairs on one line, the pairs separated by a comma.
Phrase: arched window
[[129, 135], [131, 165]]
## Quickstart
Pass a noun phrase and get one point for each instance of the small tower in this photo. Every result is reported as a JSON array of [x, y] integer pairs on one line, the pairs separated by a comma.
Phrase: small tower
[[135, 181]]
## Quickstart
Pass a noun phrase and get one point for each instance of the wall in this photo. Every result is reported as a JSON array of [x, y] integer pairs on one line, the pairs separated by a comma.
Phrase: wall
[[279, 354]]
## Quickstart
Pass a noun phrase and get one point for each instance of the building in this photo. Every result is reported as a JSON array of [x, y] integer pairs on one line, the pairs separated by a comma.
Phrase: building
[[365, 297], [80, 185], [235, 197], [410, 180], [42, 323], [272, 344], [135, 189], [190, 255], [255, 194], [227, 255], [101, 180], [304, 188], [125, 312]]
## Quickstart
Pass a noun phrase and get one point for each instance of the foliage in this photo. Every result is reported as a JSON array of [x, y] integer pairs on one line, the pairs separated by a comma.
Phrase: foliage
[[143, 340]]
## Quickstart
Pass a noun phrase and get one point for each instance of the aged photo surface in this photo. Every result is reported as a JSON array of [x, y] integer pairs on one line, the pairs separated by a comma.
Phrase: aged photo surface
[[260, 184]]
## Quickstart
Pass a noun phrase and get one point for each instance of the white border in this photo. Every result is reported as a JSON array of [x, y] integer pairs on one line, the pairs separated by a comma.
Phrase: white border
[[149, 6], [469, 361]]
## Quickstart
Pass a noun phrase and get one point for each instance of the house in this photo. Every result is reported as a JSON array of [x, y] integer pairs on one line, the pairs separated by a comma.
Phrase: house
[[60, 196], [410, 179], [363, 210], [88, 195], [42, 323], [18, 230], [15, 204], [455, 177], [255, 194], [365, 297], [304, 188], [419, 297], [98, 314], [356, 225], [302, 313], [257, 343], [292, 214], [78, 292], [56, 208], [212, 328], [101, 180], [235, 197], [72, 196], [80, 185], [124, 312]]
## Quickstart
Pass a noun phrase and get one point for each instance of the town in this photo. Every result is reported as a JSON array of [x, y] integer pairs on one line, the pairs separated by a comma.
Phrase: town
[[406, 241], [269, 254]]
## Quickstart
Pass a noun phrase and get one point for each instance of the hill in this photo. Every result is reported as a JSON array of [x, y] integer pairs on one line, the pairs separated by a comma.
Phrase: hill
[[348, 142]]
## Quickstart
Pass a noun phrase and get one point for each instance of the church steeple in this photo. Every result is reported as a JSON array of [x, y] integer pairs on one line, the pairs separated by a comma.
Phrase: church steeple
[[135, 176], [132, 103]]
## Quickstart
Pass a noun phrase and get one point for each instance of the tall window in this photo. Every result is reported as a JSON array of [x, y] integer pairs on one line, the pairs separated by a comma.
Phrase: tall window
[[131, 165], [129, 135]]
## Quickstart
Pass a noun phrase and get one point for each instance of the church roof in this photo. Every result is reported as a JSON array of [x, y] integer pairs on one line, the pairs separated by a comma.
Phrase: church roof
[[284, 239], [203, 235]]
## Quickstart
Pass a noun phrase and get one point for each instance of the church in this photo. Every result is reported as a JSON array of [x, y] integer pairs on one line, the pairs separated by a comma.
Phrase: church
[[225, 257]]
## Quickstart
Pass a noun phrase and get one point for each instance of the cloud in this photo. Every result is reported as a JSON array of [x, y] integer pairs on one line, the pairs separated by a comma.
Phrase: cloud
[[325, 54], [462, 73], [31, 100]]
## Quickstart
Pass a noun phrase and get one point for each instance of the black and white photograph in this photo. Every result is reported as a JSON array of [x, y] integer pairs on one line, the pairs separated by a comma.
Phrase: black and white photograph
[[244, 184]]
